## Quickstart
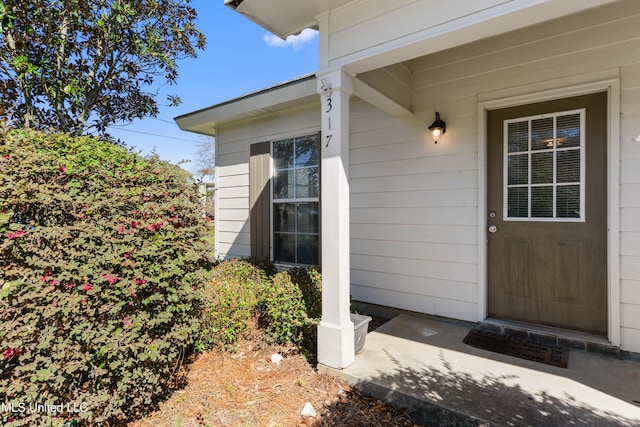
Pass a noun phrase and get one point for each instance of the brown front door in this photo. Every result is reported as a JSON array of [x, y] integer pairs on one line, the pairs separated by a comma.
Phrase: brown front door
[[547, 213]]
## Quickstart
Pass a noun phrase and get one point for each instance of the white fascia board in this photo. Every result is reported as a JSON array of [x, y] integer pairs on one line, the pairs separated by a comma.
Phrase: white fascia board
[[285, 95]]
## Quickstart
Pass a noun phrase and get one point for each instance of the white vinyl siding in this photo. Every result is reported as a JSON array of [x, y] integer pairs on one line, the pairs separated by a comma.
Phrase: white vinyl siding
[[630, 205], [414, 204], [414, 227], [413, 216]]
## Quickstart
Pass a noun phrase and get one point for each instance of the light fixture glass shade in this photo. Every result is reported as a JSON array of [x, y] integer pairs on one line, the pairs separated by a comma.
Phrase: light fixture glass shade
[[438, 128]]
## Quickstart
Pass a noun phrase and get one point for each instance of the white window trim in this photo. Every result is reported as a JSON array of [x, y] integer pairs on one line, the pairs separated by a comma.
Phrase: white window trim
[[529, 152]]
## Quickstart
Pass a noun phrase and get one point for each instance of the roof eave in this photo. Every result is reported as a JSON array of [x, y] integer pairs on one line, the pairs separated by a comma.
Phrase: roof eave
[[284, 17], [285, 95]]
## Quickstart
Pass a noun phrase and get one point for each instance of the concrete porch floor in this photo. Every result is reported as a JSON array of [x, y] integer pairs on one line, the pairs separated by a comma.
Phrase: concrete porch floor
[[422, 366]]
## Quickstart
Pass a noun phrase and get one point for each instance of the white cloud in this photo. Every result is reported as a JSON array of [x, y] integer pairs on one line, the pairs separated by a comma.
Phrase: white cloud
[[296, 42]]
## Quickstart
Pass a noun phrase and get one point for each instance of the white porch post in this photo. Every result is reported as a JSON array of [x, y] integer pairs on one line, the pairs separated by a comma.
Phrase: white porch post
[[335, 332]]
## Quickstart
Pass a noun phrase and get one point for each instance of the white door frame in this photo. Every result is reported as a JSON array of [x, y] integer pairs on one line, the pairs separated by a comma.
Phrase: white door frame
[[601, 81]]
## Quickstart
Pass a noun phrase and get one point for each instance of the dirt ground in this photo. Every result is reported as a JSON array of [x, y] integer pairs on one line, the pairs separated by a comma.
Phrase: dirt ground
[[247, 389]]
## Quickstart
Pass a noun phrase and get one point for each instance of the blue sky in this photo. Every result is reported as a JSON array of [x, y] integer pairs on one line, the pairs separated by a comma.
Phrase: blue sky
[[240, 57]]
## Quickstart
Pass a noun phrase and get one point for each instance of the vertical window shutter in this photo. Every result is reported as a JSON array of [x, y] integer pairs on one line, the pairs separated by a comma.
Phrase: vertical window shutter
[[260, 199]]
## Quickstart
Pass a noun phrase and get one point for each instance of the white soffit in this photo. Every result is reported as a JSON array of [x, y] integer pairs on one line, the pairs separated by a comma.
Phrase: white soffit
[[284, 17]]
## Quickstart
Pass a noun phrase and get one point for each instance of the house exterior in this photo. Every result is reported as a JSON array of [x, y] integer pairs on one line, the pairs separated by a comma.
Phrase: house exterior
[[526, 209]]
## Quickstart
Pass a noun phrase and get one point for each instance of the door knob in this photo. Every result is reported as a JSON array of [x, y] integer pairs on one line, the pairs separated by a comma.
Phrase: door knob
[[493, 229]]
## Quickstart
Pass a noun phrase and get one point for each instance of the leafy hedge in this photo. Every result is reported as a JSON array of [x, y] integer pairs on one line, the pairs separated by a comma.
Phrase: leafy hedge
[[230, 298], [101, 258], [309, 280], [245, 296], [281, 311]]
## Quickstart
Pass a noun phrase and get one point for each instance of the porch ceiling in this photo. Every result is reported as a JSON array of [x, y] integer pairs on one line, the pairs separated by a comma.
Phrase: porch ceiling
[[284, 17]]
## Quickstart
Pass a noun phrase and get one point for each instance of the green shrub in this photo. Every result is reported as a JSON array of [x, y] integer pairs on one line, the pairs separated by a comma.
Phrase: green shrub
[[309, 280], [230, 299], [239, 270], [281, 310], [241, 292], [267, 266], [101, 255]]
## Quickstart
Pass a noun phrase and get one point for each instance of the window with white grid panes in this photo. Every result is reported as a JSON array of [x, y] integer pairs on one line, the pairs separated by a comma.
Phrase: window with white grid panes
[[295, 196], [544, 172]]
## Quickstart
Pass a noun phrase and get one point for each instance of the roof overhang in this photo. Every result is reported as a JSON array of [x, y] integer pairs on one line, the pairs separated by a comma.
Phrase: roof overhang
[[285, 95], [284, 17]]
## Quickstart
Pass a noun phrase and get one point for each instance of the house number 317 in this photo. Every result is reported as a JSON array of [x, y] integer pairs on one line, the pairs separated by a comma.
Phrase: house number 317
[[329, 108]]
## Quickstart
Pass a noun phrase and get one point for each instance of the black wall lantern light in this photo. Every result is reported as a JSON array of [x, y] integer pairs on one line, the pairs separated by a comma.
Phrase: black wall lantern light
[[438, 128]]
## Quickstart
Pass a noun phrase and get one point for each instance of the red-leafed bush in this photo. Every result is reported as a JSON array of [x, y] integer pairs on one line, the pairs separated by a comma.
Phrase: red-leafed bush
[[101, 260]]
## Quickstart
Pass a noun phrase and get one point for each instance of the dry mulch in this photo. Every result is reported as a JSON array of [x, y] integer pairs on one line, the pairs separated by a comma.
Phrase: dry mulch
[[247, 389]]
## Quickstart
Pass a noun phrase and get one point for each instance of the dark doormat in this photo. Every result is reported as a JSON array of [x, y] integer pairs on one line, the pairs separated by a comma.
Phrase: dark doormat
[[512, 346]]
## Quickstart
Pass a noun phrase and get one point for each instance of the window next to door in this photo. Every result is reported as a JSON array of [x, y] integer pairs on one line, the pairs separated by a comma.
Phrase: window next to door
[[295, 200]]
